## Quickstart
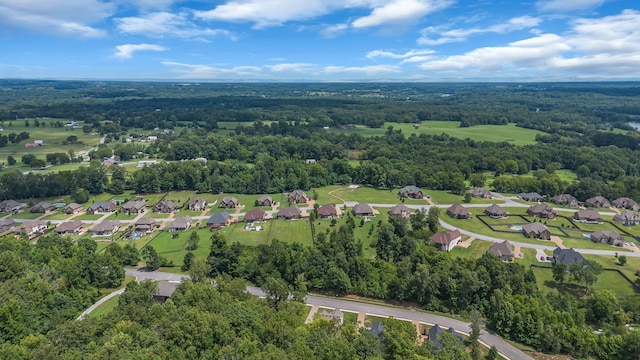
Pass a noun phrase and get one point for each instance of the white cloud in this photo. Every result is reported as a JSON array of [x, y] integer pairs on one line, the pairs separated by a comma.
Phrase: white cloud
[[62, 17], [459, 35], [265, 13], [199, 71], [568, 5], [292, 67], [165, 24], [126, 51], [388, 54], [333, 30], [367, 70]]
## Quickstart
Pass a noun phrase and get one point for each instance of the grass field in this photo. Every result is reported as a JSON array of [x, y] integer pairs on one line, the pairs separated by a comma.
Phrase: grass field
[[496, 133], [89, 217], [251, 238], [58, 215], [180, 197], [340, 194], [606, 280], [476, 250], [27, 215], [445, 197], [104, 308], [52, 137], [291, 231]]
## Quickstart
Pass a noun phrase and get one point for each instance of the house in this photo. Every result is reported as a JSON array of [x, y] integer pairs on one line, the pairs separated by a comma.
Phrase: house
[[255, 214], [72, 208], [587, 216], [436, 333], [327, 211], [458, 211], [30, 227], [532, 196], [69, 227], [411, 191], [480, 193], [101, 207], [165, 206], [401, 210], [289, 212], [627, 218], [542, 211], [566, 256], [503, 250], [446, 241], [376, 329], [145, 225], [298, 196], [607, 237], [597, 201], [196, 204], [264, 200], [180, 224], [42, 207], [229, 202], [165, 290], [625, 203], [495, 211], [6, 224], [105, 228], [219, 219], [334, 315], [10, 206], [133, 207], [565, 199], [536, 230], [362, 209]]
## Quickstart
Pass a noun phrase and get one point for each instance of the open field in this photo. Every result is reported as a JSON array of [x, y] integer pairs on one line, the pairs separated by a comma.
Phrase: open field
[[496, 133], [58, 215], [251, 238], [338, 194], [291, 231], [445, 197], [52, 137], [89, 217], [476, 250], [607, 280]]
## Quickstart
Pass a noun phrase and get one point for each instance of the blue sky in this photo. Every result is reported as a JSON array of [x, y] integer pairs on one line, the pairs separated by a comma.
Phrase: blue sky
[[321, 40]]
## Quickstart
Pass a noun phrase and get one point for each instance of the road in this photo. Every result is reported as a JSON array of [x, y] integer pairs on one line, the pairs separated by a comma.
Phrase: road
[[505, 349]]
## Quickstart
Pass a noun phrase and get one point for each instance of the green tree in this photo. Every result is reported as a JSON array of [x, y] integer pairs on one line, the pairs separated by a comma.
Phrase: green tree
[[37, 164], [492, 354], [194, 239], [433, 219], [477, 180], [277, 291], [218, 259], [622, 260], [81, 196], [467, 197], [587, 271], [151, 258], [559, 272], [187, 261], [199, 270], [11, 160]]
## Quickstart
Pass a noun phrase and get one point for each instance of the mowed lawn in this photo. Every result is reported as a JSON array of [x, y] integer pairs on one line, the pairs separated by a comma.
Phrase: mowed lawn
[[291, 231], [496, 133], [365, 194], [445, 197], [474, 251]]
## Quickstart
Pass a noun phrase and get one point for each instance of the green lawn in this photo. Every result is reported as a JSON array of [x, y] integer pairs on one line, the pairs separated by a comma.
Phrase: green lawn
[[58, 215], [157, 215], [364, 195], [121, 216], [27, 215], [181, 197], [607, 280], [89, 217], [291, 231], [104, 308], [496, 133], [476, 250], [445, 197], [252, 238]]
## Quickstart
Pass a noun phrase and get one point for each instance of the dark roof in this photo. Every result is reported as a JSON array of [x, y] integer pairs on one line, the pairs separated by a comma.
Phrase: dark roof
[[166, 289], [567, 256], [596, 201], [166, 204], [106, 225], [531, 196], [146, 221], [457, 209], [399, 209], [540, 209], [479, 192], [608, 234], [101, 204], [445, 238], [254, 214], [626, 216], [495, 210], [6, 222], [435, 335], [229, 200], [218, 218], [409, 190], [180, 222], [68, 226], [134, 204], [362, 208], [42, 205], [564, 199], [264, 198], [535, 228], [586, 214], [73, 206], [327, 210], [194, 201], [377, 328], [624, 202], [289, 212], [501, 249]]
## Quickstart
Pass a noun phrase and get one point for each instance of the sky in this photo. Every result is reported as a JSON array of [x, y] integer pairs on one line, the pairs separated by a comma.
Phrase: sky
[[321, 40]]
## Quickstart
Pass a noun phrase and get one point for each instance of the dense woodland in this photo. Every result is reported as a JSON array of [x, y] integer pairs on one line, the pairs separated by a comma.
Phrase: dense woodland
[[46, 285]]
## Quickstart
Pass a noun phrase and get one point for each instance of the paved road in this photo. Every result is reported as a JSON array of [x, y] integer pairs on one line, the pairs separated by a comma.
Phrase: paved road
[[99, 302], [505, 349]]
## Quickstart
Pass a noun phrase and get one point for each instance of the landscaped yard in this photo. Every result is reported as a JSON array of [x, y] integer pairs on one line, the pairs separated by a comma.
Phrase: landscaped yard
[[89, 216], [27, 215], [291, 231], [365, 194], [446, 197], [251, 238], [476, 250], [58, 215]]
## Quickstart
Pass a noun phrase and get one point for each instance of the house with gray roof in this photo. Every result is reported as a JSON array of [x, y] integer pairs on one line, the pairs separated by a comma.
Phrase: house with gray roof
[[180, 224], [101, 207], [133, 207], [229, 202], [480, 193], [264, 200], [597, 201], [6, 224], [607, 237], [42, 207], [10, 206], [362, 209], [587, 216], [72, 208], [30, 227], [219, 219], [503, 250], [566, 256], [289, 212], [458, 211], [536, 230], [165, 206], [197, 204], [336, 314], [106, 228], [625, 203], [565, 200], [436, 334], [627, 218], [69, 227], [400, 210], [542, 211], [145, 225], [531, 196], [411, 191], [495, 211], [164, 291], [298, 196]]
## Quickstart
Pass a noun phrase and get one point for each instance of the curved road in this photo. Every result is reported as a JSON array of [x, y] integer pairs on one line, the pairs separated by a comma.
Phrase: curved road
[[506, 350]]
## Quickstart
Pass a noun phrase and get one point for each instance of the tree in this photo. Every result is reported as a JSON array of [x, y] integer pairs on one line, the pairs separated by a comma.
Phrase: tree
[[193, 241], [199, 270], [151, 258], [587, 271], [81, 196], [622, 260], [28, 158], [37, 164], [218, 259], [276, 290], [11, 160], [492, 354], [477, 180], [187, 261], [559, 272], [433, 219], [418, 220], [602, 305], [467, 197], [474, 335]]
